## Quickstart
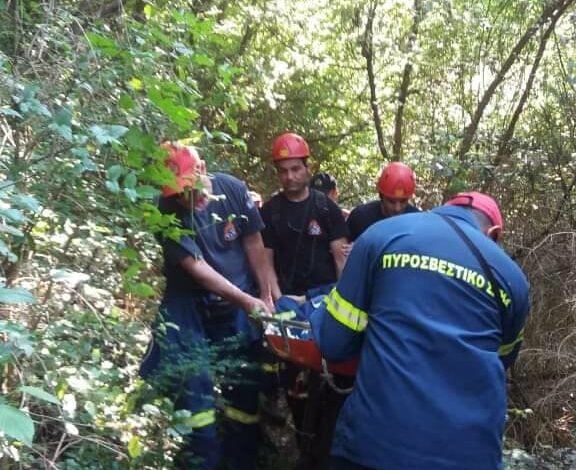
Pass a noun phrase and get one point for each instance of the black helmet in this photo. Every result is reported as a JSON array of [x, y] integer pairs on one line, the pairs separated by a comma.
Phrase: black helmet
[[323, 182]]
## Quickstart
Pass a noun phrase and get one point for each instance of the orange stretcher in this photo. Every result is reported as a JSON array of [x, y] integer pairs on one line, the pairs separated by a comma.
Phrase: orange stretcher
[[302, 352]]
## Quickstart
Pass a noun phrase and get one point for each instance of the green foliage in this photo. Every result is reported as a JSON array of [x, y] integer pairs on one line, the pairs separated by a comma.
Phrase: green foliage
[[88, 93], [16, 424]]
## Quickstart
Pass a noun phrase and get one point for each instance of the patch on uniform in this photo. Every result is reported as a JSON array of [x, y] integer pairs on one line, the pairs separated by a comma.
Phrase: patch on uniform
[[230, 232], [314, 228]]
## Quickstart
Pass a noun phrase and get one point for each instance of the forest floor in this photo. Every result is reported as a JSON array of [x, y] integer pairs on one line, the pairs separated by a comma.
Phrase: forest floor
[[281, 451]]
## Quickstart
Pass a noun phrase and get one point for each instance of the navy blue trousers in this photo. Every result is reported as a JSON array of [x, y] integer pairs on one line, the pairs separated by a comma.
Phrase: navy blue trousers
[[196, 347]]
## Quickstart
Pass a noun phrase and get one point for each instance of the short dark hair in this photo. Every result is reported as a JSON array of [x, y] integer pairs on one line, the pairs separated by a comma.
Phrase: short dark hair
[[324, 182]]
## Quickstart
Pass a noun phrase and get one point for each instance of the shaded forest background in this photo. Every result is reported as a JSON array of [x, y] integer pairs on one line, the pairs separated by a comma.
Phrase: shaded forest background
[[473, 95]]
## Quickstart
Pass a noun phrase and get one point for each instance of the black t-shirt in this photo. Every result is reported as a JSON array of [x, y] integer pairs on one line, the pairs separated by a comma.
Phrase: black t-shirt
[[300, 234], [367, 214]]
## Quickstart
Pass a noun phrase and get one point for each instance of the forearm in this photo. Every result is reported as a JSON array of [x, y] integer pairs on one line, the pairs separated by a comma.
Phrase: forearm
[[262, 264], [213, 281], [339, 254]]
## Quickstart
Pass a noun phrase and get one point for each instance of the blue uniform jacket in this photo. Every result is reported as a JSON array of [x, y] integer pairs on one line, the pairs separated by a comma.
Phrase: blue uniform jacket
[[415, 304]]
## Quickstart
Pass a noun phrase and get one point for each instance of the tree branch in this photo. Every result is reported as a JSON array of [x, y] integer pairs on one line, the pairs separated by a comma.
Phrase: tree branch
[[406, 77], [470, 130], [549, 225], [368, 54], [504, 146]]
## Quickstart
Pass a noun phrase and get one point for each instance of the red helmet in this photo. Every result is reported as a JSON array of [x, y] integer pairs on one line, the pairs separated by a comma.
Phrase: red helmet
[[288, 146], [397, 181], [184, 162], [482, 202]]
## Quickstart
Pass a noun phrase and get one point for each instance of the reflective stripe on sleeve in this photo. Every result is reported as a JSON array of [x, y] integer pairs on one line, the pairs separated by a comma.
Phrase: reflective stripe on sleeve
[[199, 420], [506, 349], [346, 313], [269, 368], [241, 416]]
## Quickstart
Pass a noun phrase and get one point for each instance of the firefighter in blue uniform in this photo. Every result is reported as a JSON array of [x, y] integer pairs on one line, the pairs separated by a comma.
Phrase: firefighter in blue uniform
[[213, 274], [396, 186], [435, 309]]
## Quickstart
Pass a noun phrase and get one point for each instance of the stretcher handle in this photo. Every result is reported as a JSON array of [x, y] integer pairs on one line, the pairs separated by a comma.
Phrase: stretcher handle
[[283, 324]]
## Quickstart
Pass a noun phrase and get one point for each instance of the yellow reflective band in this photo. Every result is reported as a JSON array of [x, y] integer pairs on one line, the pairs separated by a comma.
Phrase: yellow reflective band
[[270, 368], [506, 349], [199, 420], [346, 313], [241, 416], [288, 315]]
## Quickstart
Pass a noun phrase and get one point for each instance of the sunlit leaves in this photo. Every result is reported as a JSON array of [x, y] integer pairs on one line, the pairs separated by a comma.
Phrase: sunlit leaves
[[107, 133], [62, 123], [16, 424], [16, 296], [39, 393]]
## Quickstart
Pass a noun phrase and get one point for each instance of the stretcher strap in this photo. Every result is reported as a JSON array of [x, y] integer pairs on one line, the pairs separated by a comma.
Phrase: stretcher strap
[[329, 378]]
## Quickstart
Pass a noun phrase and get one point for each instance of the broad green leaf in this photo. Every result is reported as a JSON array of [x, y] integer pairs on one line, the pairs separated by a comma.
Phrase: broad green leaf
[[147, 192], [16, 296], [33, 106], [26, 202], [5, 250], [179, 115], [113, 186], [136, 139], [16, 424], [10, 112], [141, 289], [11, 230], [131, 194], [134, 447], [39, 393], [126, 102], [130, 180], [62, 124], [63, 131], [203, 60], [104, 44], [63, 117], [107, 133], [6, 185], [130, 254], [14, 215], [114, 172], [81, 152]]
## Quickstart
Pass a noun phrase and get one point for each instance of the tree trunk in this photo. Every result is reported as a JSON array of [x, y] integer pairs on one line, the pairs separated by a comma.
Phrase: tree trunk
[[405, 85], [470, 130], [368, 54]]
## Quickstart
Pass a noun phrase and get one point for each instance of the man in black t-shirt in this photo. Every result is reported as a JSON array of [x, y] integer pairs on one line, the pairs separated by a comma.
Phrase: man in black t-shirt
[[395, 186], [305, 231], [305, 234]]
